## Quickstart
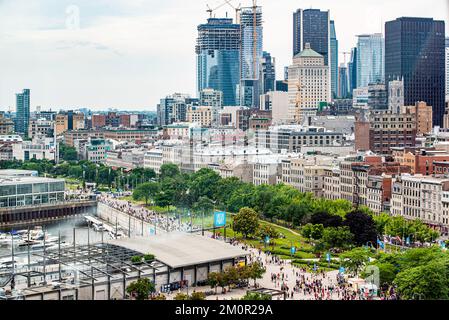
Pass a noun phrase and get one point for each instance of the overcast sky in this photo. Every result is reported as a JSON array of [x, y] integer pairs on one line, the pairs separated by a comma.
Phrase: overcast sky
[[127, 54]]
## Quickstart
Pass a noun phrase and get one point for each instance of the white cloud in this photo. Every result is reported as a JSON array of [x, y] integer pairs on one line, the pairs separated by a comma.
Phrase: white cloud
[[130, 53]]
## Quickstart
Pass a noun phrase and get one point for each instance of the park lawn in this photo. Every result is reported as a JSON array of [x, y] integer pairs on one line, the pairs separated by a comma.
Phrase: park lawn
[[280, 247]]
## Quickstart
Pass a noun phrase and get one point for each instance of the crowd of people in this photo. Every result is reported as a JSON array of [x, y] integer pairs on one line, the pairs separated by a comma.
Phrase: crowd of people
[[294, 282], [162, 222]]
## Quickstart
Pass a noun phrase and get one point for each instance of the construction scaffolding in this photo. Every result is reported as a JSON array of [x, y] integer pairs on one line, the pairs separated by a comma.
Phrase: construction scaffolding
[[80, 272]]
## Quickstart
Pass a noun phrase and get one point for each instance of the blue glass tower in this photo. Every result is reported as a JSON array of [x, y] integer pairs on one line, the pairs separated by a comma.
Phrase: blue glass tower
[[352, 71], [370, 59], [218, 58], [334, 60]]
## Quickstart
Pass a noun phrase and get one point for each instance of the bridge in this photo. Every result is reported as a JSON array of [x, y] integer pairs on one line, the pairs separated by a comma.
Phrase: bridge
[[19, 216]]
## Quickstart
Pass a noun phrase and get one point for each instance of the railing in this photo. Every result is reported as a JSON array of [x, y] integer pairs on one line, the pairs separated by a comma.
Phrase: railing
[[49, 205]]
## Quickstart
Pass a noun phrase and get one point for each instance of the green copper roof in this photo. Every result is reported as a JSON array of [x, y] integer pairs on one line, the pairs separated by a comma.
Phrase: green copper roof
[[308, 52]]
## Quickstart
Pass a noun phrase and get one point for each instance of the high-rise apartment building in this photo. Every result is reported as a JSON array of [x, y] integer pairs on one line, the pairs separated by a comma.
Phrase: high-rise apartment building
[[335, 75], [213, 99], [370, 59], [250, 55], [415, 52], [173, 108], [218, 58], [22, 119]]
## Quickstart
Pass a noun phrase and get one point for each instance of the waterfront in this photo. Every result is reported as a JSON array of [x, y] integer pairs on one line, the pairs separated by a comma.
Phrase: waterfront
[[65, 228]]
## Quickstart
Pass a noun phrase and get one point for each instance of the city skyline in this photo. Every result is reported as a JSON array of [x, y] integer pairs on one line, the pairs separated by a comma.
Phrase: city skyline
[[106, 64]]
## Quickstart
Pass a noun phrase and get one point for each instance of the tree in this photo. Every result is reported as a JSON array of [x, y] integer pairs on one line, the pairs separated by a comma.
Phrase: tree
[[67, 153], [146, 191], [204, 204], [326, 219], [197, 296], [363, 227], [141, 289], [213, 280], [246, 222], [428, 282], [168, 170], [387, 272], [312, 231], [204, 184], [256, 271], [255, 296], [231, 275], [355, 259], [268, 231], [340, 238]]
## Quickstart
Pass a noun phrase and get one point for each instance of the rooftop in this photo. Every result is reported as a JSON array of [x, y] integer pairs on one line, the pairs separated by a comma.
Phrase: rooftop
[[181, 250]]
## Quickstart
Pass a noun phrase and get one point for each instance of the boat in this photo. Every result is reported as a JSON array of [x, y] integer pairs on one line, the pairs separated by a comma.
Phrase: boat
[[41, 246], [27, 243]]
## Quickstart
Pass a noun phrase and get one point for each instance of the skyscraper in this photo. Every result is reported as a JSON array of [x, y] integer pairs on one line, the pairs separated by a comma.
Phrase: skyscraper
[[342, 81], [414, 52], [447, 69], [308, 85], [218, 58], [22, 119], [352, 71], [312, 26], [268, 73], [370, 59], [334, 61], [250, 55]]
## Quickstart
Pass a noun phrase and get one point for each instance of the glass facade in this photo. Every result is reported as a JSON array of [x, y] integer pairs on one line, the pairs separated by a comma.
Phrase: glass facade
[[22, 119], [218, 58], [219, 70], [370, 59], [334, 61], [251, 55], [31, 193], [268, 73], [414, 52], [312, 26], [352, 71]]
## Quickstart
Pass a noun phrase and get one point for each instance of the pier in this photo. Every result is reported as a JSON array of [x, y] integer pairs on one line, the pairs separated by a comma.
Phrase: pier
[[20, 216]]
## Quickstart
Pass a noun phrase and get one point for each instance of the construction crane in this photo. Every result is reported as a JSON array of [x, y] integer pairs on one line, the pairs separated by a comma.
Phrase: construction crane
[[237, 10], [210, 10]]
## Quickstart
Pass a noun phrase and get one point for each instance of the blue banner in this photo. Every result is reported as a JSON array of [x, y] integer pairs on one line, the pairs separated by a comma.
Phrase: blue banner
[[219, 219]]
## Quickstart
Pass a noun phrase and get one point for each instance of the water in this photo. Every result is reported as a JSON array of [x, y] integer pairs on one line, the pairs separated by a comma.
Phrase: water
[[65, 227]]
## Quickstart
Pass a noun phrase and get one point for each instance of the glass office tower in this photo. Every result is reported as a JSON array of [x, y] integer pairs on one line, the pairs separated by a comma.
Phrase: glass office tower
[[334, 60], [218, 58], [352, 71], [414, 52], [370, 59], [312, 26]]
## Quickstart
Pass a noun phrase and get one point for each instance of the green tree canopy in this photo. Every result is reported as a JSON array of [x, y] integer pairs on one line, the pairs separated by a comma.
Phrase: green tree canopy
[[246, 222], [141, 288]]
